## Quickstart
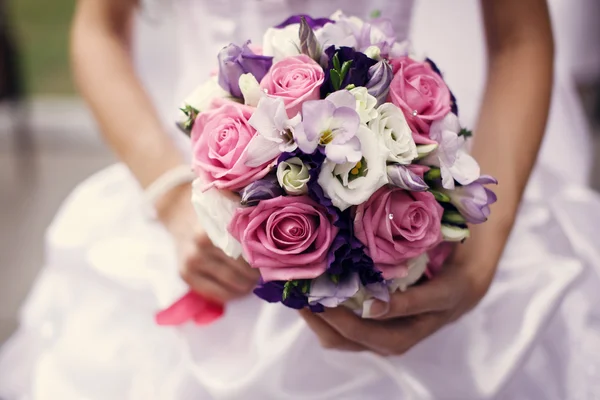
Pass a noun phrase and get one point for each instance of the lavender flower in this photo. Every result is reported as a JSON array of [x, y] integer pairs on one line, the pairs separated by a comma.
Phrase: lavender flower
[[331, 123], [275, 131], [314, 23], [263, 189], [325, 291], [235, 61], [402, 177], [380, 77], [473, 200]]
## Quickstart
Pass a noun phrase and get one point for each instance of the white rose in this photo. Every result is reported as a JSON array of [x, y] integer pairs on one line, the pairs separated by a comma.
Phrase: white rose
[[353, 183], [250, 89], [365, 104], [202, 97], [416, 269], [215, 212], [392, 127], [293, 176], [282, 43]]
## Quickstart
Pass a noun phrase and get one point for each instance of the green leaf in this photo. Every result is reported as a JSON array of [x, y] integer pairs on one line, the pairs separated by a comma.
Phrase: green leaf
[[305, 286], [335, 279], [350, 86], [336, 79], [433, 174], [286, 291], [375, 14], [345, 69], [453, 217], [465, 132], [439, 196], [336, 62]]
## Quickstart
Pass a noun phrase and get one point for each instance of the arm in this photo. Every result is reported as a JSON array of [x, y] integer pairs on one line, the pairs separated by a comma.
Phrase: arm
[[509, 133], [513, 115], [105, 75]]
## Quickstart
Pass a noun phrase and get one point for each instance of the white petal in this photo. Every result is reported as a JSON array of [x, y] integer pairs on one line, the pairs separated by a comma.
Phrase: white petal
[[250, 89], [260, 151], [342, 153], [214, 212], [465, 169], [447, 179]]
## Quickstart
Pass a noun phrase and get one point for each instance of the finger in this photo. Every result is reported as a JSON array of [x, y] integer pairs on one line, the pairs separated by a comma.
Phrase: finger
[[384, 337], [365, 333], [222, 272], [328, 337], [208, 287], [439, 294], [239, 265], [243, 268]]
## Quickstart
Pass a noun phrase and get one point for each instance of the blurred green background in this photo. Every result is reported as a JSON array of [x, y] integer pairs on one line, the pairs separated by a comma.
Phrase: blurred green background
[[42, 29]]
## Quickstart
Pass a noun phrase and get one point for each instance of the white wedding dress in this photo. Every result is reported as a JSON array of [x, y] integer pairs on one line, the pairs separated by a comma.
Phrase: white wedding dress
[[88, 332]]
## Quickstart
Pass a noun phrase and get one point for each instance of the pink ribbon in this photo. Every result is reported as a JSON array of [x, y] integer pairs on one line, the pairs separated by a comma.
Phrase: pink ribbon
[[191, 307]]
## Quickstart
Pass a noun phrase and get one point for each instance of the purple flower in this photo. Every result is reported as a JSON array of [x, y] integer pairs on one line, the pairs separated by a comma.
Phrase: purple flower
[[272, 292], [235, 61], [402, 177], [331, 123], [473, 200], [263, 189], [380, 77], [314, 23], [358, 73], [347, 255]]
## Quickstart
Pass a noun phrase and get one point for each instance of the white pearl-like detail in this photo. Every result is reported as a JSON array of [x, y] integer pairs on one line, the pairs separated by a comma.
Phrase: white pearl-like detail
[[391, 216], [414, 113]]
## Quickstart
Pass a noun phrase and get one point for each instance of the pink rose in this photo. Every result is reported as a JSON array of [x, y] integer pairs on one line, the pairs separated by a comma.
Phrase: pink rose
[[220, 139], [296, 80], [437, 257], [421, 94], [396, 225], [285, 237]]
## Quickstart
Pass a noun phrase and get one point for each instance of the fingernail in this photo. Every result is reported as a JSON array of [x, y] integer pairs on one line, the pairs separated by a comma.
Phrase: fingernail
[[374, 308]]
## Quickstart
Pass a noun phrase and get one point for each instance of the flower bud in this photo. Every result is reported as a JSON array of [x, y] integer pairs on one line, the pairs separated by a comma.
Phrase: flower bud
[[402, 177], [380, 77], [293, 176], [263, 189], [452, 233], [250, 89]]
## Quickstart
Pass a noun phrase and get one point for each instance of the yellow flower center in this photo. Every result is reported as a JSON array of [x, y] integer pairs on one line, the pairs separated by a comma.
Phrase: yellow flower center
[[356, 168], [326, 137]]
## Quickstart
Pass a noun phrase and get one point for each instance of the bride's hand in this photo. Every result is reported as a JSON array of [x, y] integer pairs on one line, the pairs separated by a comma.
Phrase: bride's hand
[[410, 317], [204, 267]]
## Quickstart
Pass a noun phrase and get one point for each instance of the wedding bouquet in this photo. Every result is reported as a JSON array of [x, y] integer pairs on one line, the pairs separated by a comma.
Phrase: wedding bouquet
[[348, 158]]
